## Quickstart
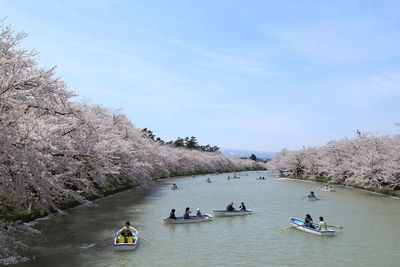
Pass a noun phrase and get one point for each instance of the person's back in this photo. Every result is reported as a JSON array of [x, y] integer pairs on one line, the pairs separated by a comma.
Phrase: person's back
[[230, 207], [322, 224], [172, 215]]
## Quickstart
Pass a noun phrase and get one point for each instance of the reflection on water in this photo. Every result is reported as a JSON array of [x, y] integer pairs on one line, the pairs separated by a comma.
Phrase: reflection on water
[[370, 236]]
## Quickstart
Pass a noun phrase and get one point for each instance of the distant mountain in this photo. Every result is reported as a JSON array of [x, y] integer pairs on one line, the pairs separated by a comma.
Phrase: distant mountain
[[246, 153]]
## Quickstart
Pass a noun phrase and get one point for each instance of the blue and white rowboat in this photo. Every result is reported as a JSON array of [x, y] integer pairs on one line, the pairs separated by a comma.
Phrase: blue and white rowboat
[[299, 224]]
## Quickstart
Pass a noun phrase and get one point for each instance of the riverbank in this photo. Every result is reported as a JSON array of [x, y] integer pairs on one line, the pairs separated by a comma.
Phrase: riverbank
[[386, 190], [65, 204]]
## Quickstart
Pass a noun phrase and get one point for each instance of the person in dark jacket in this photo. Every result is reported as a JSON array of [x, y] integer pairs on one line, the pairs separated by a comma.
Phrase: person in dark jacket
[[172, 215]]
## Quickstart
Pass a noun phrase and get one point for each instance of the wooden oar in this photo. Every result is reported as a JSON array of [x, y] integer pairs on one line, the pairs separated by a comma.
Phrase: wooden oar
[[145, 240], [287, 228], [338, 227], [95, 243]]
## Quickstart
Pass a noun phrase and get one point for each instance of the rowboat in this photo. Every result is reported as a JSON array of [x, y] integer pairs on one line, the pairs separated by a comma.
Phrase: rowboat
[[327, 189], [221, 213], [193, 219], [133, 242], [313, 198], [299, 224]]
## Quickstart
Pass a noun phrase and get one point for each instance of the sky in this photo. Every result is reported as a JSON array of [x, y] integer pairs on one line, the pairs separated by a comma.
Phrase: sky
[[257, 75]]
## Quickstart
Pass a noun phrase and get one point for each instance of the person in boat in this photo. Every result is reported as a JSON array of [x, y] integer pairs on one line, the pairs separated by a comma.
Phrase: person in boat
[[242, 207], [127, 231], [174, 186], [186, 215], [308, 221], [312, 195], [230, 207], [322, 224], [198, 213], [172, 215], [208, 180]]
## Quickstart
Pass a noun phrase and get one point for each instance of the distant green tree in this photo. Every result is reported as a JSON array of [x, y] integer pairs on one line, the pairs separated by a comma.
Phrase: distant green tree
[[191, 143], [253, 157], [179, 142]]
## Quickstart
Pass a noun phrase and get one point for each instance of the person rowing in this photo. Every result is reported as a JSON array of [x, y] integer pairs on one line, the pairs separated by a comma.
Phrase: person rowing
[[186, 215], [242, 207], [312, 195], [308, 221], [174, 187], [230, 207], [127, 231]]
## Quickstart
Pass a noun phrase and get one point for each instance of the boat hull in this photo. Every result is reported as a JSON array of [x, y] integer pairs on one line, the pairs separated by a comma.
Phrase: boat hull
[[193, 219], [125, 246], [299, 225], [328, 190], [225, 213]]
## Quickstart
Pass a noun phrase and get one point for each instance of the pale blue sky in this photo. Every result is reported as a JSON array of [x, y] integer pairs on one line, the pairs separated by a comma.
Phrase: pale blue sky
[[260, 75]]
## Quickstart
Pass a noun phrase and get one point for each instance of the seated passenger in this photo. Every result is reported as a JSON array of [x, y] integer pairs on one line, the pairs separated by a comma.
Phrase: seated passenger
[[172, 215], [322, 224], [242, 207], [198, 213], [230, 207]]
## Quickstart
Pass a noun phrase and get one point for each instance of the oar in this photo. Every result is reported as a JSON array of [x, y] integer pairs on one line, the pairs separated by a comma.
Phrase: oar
[[145, 240], [338, 227], [287, 228], [95, 243]]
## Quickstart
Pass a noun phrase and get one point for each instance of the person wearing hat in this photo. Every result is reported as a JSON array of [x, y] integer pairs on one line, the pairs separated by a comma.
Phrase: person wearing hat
[[198, 213]]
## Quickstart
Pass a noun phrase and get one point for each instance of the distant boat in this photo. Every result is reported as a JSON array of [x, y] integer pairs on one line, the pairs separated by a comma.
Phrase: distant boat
[[223, 213], [229, 178], [193, 219], [208, 180], [327, 189], [120, 245], [299, 224]]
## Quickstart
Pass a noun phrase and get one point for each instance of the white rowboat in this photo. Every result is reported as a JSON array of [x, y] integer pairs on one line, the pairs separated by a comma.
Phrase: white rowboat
[[300, 226], [222, 213], [327, 189], [125, 246], [193, 219]]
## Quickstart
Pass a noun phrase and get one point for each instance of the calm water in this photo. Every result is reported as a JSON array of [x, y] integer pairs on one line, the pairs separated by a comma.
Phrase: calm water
[[370, 237]]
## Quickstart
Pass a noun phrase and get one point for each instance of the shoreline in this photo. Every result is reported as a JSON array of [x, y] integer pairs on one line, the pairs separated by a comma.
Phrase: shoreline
[[69, 203], [370, 188]]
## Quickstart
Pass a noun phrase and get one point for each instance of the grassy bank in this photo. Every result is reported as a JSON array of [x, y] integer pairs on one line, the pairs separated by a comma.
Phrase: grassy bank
[[368, 187]]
